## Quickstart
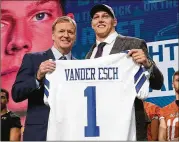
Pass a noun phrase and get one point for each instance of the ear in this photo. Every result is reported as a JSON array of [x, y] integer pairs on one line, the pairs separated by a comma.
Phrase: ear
[[92, 25], [172, 85], [53, 36], [115, 22], [75, 37]]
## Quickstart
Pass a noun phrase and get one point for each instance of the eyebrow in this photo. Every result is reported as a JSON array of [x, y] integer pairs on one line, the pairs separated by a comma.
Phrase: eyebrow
[[33, 7], [6, 15], [41, 2]]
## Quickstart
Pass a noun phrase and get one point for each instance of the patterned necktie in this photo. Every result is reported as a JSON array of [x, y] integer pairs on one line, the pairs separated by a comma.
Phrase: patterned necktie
[[62, 58], [100, 49]]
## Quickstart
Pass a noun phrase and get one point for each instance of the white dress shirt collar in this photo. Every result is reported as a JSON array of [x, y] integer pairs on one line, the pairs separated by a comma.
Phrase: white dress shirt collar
[[109, 39], [57, 54]]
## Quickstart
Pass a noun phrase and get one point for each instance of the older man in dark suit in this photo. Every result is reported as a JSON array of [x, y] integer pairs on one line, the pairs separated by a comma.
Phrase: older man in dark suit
[[108, 41], [29, 81]]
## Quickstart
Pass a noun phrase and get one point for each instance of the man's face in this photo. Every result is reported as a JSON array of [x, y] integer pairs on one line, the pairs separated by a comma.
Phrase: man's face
[[25, 27], [103, 24], [4, 100], [64, 36], [176, 83]]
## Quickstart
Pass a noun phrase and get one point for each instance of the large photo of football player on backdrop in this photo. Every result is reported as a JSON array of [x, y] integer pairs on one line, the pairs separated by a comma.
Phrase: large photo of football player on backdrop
[[25, 27]]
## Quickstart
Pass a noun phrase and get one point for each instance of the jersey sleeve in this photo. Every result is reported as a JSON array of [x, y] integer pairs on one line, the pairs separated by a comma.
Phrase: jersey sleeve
[[141, 81], [15, 121]]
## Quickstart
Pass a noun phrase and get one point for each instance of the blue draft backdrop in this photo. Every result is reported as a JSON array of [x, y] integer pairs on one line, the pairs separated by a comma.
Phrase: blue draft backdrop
[[151, 20]]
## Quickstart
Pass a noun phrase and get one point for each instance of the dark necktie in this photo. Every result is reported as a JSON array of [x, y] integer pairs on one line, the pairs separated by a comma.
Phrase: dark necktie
[[62, 58], [100, 49]]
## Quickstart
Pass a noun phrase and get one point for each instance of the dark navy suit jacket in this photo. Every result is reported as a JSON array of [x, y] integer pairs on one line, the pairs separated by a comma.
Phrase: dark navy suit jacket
[[25, 87]]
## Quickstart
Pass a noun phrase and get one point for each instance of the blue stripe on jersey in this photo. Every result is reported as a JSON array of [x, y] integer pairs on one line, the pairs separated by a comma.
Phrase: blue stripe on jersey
[[47, 83], [140, 83], [46, 92], [138, 74]]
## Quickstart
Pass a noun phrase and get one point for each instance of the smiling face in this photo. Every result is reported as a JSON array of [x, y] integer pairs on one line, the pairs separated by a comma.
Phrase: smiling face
[[64, 36], [25, 27], [103, 24]]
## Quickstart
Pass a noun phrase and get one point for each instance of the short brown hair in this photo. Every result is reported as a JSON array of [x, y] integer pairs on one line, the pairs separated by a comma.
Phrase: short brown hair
[[6, 93], [63, 19]]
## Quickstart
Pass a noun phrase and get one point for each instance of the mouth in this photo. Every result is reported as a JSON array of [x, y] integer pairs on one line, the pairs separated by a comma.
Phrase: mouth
[[66, 41], [10, 70], [101, 26]]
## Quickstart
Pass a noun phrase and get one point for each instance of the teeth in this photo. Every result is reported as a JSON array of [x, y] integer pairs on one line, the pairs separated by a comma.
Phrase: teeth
[[101, 26], [65, 42]]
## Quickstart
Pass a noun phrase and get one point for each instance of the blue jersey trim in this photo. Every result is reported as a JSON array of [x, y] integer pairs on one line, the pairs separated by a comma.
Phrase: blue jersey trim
[[47, 83], [140, 83], [138, 74], [46, 92]]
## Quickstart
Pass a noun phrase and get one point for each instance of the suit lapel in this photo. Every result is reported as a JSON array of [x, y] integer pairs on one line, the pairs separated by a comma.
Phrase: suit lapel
[[118, 44], [117, 47], [49, 55], [90, 52]]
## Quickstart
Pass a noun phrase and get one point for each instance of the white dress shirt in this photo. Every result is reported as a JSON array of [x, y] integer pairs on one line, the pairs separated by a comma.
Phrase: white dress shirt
[[108, 47]]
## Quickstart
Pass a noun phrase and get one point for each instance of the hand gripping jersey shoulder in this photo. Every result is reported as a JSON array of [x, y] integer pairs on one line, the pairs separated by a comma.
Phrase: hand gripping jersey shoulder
[[88, 98]]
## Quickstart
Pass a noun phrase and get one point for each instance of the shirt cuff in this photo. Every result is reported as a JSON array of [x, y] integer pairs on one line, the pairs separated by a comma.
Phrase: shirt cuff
[[37, 84], [150, 70]]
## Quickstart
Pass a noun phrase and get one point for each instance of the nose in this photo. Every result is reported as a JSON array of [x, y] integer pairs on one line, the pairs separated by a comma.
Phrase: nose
[[66, 34], [19, 39], [101, 19]]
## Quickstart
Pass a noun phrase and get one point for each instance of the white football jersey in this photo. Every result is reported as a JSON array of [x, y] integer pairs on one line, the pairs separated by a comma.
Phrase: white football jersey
[[93, 99]]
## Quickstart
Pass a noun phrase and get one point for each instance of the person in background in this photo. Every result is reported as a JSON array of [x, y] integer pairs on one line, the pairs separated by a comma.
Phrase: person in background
[[153, 113], [169, 127], [10, 123], [108, 41], [29, 81]]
